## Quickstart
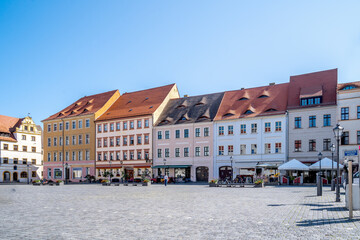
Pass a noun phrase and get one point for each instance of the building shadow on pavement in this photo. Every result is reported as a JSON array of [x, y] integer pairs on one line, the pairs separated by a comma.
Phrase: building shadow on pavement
[[317, 222], [331, 209]]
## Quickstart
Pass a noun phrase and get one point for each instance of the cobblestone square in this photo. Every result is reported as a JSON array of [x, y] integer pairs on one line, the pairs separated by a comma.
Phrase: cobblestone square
[[172, 212]]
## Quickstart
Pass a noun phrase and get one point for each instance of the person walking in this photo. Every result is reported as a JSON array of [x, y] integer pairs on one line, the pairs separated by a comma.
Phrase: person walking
[[166, 178]]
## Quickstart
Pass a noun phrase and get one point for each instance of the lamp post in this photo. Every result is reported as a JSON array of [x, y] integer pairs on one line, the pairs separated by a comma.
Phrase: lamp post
[[28, 174], [66, 173], [319, 181], [122, 175], [332, 148], [338, 131], [110, 171], [164, 166], [232, 170]]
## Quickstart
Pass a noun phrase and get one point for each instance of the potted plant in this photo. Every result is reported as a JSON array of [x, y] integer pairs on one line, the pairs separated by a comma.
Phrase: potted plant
[[146, 182], [58, 182], [213, 183], [37, 183], [105, 182], [259, 183]]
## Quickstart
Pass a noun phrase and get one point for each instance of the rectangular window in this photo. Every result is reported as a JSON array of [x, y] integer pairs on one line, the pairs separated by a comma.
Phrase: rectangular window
[[55, 141], [99, 143], [73, 140], [358, 112], [80, 139], [345, 113], [16, 161], [99, 156], [242, 128], [358, 137], [124, 141], [49, 172], [125, 155], [99, 128], [6, 146], [49, 142], [277, 147], [5, 160], [242, 149], [73, 124], [73, 156], [87, 155], [186, 133], [87, 139], [197, 151], [77, 173], [206, 151], [67, 156], [139, 154], [117, 141], [177, 152], [159, 153], [131, 124], [267, 127], [80, 155], [297, 145], [221, 150], [67, 141], [167, 134], [49, 127], [80, 122], [206, 132], [111, 142], [24, 148], [138, 139], [345, 138], [105, 127], [24, 161], [61, 141], [23, 137], [267, 148], [33, 149], [117, 126], [312, 145], [138, 123], [146, 123], [105, 142], [33, 161], [221, 130], [167, 152], [253, 128], [298, 122], [33, 138], [312, 121], [87, 123], [60, 126], [230, 149], [177, 133], [67, 125], [159, 135], [197, 132], [131, 140], [55, 127], [111, 127], [277, 126], [111, 156], [124, 125], [186, 152], [230, 130], [146, 139], [327, 120], [326, 144], [55, 157], [253, 149], [16, 148], [117, 155]]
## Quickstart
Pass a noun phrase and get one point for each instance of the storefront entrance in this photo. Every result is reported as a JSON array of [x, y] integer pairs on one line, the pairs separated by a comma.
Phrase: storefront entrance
[[6, 177], [202, 174], [225, 172], [129, 174], [15, 177]]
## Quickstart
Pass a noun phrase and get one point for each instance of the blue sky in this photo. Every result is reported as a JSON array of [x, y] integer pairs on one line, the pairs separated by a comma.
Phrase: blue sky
[[55, 52]]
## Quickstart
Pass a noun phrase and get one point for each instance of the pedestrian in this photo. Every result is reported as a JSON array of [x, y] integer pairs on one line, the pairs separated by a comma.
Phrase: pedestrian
[[166, 178]]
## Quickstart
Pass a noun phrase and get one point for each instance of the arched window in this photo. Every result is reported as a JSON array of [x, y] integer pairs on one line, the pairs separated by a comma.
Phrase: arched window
[[23, 175]]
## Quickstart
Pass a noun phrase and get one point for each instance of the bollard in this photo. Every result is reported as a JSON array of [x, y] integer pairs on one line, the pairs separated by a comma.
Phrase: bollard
[[319, 185], [333, 185], [350, 197]]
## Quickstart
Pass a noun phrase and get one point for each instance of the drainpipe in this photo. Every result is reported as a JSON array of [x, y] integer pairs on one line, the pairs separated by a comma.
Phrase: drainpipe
[[63, 148], [287, 136]]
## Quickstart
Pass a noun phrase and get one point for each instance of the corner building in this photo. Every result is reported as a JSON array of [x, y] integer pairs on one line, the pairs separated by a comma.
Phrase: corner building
[[20, 150], [250, 131], [183, 138], [124, 135], [69, 138]]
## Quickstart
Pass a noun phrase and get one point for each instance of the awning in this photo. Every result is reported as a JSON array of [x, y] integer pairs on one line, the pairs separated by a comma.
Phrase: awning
[[172, 166], [294, 165]]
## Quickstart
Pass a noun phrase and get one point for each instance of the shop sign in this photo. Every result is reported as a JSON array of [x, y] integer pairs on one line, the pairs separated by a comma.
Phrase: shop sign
[[351, 152]]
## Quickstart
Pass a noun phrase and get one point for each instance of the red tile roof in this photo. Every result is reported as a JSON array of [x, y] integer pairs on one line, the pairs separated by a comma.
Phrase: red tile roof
[[138, 103], [342, 85], [7, 126], [84, 106], [253, 102], [322, 83]]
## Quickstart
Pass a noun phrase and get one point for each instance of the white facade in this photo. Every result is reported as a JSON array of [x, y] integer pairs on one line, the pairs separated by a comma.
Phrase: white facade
[[21, 160], [348, 113], [311, 132], [249, 147]]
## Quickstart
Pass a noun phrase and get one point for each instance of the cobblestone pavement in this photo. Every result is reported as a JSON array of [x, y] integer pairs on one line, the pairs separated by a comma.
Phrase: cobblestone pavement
[[172, 212]]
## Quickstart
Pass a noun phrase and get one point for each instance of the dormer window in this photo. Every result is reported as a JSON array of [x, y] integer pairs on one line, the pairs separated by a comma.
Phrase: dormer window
[[248, 112], [199, 104], [310, 101], [263, 96], [271, 110], [180, 106], [228, 115], [243, 98]]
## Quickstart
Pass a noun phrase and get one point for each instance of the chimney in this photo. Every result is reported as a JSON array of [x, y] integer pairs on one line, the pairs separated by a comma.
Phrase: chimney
[[271, 84]]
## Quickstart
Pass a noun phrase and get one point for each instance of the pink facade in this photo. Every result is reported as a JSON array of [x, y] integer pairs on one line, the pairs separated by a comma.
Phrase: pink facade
[[56, 170], [187, 150]]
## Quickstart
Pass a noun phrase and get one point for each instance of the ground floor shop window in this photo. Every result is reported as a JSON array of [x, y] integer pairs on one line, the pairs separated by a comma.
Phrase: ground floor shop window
[[57, 173], [23, 175], [77, 173], [33, 174]]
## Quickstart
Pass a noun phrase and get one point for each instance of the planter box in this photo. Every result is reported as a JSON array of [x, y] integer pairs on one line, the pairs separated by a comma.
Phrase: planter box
[[37, 184], [51, 184], [106, 184], [146, 183], [212, 184], [258, 185]]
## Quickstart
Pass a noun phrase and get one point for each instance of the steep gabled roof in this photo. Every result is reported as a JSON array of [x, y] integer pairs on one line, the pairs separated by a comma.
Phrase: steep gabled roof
[[348, 86], [144, 102], [8, 126], [322, 84], [193, 109], [253, 102], [83, 106]]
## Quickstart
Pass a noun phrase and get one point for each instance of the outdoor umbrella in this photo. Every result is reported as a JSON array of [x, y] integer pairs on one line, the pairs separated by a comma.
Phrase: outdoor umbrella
[[326, 164], [294, 165]]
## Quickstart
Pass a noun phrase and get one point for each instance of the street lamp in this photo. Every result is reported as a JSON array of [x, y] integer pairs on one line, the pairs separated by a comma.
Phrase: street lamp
[[28, 174], [319, 181], [66, 173], [232, 171], [110, 172], [338, 131], [164, 166], [332, 148]]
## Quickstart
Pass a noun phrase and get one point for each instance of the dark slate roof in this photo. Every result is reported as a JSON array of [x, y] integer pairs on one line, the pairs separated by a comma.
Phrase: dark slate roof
[[193, 109]]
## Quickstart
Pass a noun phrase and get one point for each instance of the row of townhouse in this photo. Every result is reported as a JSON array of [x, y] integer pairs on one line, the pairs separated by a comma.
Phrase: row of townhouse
[[155, 132]]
